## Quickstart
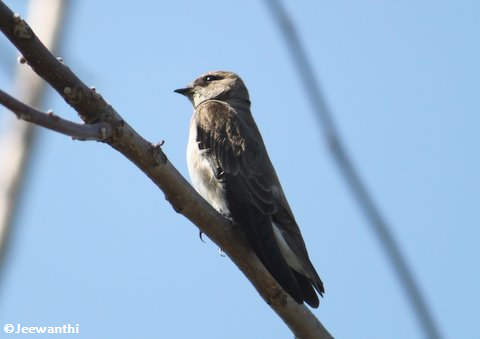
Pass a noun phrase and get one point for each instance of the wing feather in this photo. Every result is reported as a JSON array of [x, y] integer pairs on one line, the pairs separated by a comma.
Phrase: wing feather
[[254, 196]]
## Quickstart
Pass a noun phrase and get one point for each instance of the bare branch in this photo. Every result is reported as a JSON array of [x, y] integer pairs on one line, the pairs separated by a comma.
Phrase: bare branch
[[18, 140], [342, 158], [99, 131], [154, 163]]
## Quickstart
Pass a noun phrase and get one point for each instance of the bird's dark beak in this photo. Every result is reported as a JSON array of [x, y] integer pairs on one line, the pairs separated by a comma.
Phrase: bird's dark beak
[[187, 91]]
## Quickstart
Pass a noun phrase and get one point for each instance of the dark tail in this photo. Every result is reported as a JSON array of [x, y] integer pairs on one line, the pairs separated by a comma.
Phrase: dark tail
[[258, 228], [259, 232]]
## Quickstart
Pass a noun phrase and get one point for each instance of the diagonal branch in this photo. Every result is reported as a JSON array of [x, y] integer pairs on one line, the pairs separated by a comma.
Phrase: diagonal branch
[[99, 131], [92, 108]]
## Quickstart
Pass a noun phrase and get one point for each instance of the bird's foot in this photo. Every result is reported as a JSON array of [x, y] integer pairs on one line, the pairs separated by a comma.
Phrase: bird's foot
[[200, 234], [220, 251]]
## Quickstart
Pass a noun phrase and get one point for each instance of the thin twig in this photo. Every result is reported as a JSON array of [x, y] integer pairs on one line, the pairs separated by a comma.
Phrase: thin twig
[[98, 131], [340, 154], [154, 163]]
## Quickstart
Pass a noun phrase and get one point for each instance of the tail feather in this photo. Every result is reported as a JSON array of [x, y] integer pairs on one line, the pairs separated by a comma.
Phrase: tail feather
[[257, 226], [316, 281], [260, 236], [309, 294]]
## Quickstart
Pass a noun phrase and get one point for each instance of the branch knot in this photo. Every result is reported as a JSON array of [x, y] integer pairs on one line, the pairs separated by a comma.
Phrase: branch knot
[[73, 95], [158, 155], [20, 28]]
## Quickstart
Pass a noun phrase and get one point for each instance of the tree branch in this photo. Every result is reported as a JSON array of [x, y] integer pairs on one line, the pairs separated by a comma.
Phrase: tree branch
[[92, 108], [347, 168], [99, 131]]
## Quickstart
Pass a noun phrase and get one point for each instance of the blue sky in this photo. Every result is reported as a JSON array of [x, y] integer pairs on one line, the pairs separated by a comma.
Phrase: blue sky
[[97, 244]]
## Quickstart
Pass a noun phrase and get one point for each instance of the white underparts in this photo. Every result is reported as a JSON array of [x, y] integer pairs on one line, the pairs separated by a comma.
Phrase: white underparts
[[204, 181], [202, 176]]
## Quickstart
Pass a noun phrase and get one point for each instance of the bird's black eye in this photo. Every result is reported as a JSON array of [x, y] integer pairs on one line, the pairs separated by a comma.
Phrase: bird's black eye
[[209, 78]]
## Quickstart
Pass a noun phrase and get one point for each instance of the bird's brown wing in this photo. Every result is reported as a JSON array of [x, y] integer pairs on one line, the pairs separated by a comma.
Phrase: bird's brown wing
[[238, 157]]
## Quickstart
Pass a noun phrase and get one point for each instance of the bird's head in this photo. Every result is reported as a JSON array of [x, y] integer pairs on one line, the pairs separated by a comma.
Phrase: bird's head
[[219, 85]]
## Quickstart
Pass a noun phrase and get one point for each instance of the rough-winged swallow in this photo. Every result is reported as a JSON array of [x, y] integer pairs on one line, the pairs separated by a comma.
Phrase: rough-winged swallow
[[230, 168]]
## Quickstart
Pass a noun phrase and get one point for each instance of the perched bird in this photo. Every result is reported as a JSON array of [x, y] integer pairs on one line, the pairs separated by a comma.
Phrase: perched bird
[[230, 168]]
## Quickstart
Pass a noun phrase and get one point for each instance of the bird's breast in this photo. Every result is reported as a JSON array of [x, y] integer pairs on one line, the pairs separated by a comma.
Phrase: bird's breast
[[202, 174]]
